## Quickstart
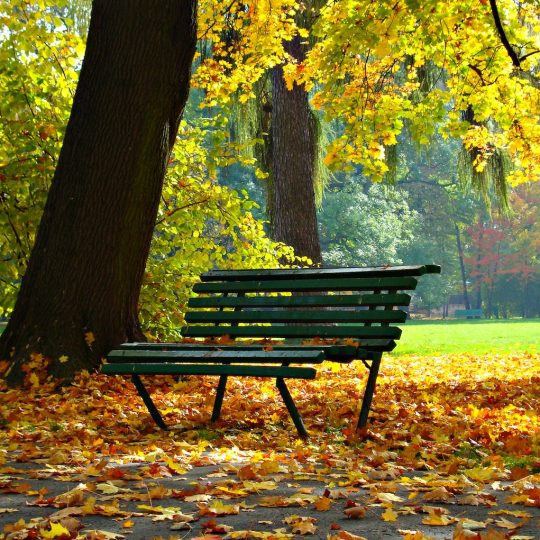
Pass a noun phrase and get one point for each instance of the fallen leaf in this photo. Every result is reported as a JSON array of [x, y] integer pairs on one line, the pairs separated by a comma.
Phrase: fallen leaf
[[356, 512], [389, 514], [56, 530], [323, 504]]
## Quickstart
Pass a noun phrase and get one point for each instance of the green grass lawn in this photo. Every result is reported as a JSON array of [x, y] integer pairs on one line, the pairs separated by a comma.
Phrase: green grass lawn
[[473, 336]]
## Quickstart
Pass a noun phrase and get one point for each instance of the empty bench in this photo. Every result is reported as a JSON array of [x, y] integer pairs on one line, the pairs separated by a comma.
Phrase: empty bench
[[279, 324], [469, 313]]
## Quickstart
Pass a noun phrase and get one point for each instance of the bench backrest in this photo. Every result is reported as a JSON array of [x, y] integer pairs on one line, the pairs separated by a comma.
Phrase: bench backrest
[[305, 304]]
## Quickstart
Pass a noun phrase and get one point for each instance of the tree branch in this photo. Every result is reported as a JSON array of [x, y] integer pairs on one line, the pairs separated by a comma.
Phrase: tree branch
[[504, 40], [171, 212]]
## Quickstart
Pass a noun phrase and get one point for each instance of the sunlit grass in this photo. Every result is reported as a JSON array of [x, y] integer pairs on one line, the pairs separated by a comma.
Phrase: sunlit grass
[[469, 336]]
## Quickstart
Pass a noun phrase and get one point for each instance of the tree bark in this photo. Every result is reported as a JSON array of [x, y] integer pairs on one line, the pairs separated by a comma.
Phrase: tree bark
[[293, 214], [79, 296]]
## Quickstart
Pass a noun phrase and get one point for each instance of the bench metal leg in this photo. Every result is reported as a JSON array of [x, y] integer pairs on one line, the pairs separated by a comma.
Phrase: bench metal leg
[[143, 392], [291, 407], [368, 392], [219, 397]]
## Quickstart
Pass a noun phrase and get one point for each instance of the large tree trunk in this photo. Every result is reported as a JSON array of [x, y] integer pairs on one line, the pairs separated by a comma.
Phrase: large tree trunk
[[79, 296], [293, 215]]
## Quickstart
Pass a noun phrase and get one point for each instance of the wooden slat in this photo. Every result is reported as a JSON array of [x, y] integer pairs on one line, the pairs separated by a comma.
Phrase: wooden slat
[[344, 352], [326, 300], [207, 369], [324, 316], [236, 355], [331, 351], [306, 285], [306, 273], [306, 331]]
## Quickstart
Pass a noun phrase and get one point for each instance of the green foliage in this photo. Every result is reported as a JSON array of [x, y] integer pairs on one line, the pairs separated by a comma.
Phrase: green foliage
[[39, 57], [365, 225], [200, 224]]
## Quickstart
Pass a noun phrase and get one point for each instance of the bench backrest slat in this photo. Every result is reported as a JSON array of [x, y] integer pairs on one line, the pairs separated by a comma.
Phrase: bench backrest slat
[[308, 285], [292, 316], [315, 300], [307, 273], [295, 331]]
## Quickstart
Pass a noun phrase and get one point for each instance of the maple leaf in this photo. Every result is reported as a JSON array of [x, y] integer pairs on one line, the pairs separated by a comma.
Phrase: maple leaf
[[438, 520], [461, 533], [323, 504], [89, 339], [344, 535], [507, 524], [389, 514], [440, 494], [56, 530], [355, 512], [414, 535], [301, 524], [217, 508], [303, 527], [471, 524], [247, 473], [516, 513], [174, 467], [214, 527], [95, 534], [73, 497]]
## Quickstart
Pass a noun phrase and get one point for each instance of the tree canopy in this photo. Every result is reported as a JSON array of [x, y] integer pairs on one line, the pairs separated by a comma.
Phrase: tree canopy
[[383, 75]]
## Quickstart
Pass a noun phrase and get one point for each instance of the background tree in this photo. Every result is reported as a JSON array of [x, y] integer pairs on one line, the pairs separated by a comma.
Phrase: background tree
[[79, 295], [293, 214]]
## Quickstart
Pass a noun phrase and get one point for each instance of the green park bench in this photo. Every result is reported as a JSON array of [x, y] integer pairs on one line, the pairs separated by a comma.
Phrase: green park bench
[[469, 313], [279, 324]]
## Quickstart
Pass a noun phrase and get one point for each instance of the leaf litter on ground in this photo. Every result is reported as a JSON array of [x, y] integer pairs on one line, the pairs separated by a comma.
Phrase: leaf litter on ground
[[453, 443]]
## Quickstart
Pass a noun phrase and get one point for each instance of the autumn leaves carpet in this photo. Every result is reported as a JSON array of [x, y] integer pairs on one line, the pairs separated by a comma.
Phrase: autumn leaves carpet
[[452, 452]]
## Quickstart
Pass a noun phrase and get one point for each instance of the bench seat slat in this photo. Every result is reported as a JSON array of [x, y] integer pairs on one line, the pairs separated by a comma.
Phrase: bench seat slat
[[328, 300], [171, 368], [307, 331], [235, 355], [306, 273], [339, 353], [306, 285]]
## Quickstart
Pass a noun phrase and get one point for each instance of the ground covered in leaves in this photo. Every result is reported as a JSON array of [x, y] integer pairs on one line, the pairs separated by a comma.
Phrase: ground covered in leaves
[[453, 451]]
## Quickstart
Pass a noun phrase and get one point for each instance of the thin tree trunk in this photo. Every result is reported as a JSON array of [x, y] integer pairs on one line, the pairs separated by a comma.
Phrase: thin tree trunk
[[293, 214], [79, 296], [462, 267], [478, 303]]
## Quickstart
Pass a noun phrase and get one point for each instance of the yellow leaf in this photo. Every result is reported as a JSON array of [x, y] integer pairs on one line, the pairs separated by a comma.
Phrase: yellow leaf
[[55, 531], [507, 524], [89, 338], [175, 467], [34, 379], [64, 358], [438, 520], [389, 514]]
